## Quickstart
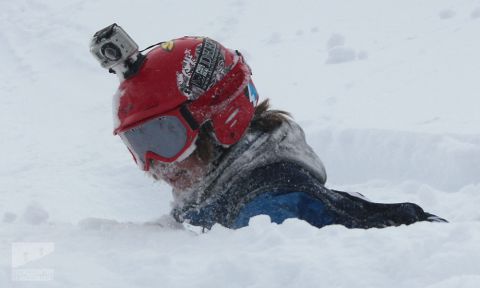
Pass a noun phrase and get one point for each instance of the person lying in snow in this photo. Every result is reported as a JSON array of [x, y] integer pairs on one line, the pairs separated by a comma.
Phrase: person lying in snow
[[187, 111]]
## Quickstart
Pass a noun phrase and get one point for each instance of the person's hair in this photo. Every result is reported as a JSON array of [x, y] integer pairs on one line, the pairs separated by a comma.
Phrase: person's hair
[[264, 120]]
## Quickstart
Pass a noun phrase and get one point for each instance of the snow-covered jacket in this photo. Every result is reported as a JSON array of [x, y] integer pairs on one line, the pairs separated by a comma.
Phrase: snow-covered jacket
[[278, 174]]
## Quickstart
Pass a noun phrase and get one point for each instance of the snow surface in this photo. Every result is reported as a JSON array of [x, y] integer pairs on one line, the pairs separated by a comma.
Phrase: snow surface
[[387, 92]]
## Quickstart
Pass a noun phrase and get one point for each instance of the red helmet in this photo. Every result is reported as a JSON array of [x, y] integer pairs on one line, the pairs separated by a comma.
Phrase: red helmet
[[181, 85]]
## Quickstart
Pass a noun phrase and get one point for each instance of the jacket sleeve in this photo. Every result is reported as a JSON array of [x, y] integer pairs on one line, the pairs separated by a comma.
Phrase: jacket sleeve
[[281, 207], [349, 209]]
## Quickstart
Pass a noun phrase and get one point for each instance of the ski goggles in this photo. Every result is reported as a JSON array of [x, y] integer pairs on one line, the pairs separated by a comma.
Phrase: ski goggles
[[165, 138]]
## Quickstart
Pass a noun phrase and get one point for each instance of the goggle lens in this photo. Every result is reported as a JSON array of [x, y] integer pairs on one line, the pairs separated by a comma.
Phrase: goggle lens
[[165, 136]]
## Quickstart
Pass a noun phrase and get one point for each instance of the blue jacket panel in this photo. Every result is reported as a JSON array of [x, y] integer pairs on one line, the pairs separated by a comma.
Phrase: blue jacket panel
[[281, 207]]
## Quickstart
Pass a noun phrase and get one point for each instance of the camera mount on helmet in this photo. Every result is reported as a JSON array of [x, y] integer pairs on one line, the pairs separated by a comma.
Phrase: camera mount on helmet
[[116, 51]]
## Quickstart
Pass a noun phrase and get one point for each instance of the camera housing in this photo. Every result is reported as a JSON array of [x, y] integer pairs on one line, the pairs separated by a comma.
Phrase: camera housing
[[112, 46]]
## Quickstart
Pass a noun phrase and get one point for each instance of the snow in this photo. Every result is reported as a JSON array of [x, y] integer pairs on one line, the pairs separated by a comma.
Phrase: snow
[[116, 104], [33, 215], [386, 91]]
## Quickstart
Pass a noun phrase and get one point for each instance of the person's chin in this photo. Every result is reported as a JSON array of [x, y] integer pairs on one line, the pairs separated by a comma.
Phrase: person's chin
[[177, 183]]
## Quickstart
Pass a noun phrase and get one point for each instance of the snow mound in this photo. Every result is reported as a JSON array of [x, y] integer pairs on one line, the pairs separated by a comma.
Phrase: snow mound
[[293, 254]]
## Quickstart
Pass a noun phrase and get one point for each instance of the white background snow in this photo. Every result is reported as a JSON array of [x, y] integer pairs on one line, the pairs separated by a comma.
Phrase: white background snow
[[388, 94]]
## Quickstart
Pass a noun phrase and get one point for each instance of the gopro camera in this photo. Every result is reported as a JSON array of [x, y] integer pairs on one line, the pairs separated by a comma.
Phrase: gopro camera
[[112, 46]]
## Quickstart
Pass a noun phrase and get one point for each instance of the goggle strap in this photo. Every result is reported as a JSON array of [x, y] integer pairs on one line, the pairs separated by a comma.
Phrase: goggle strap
[[189, 117]]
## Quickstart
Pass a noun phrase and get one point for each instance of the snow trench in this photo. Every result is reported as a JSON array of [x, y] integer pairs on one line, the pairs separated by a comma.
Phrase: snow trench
[[447, 161]]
